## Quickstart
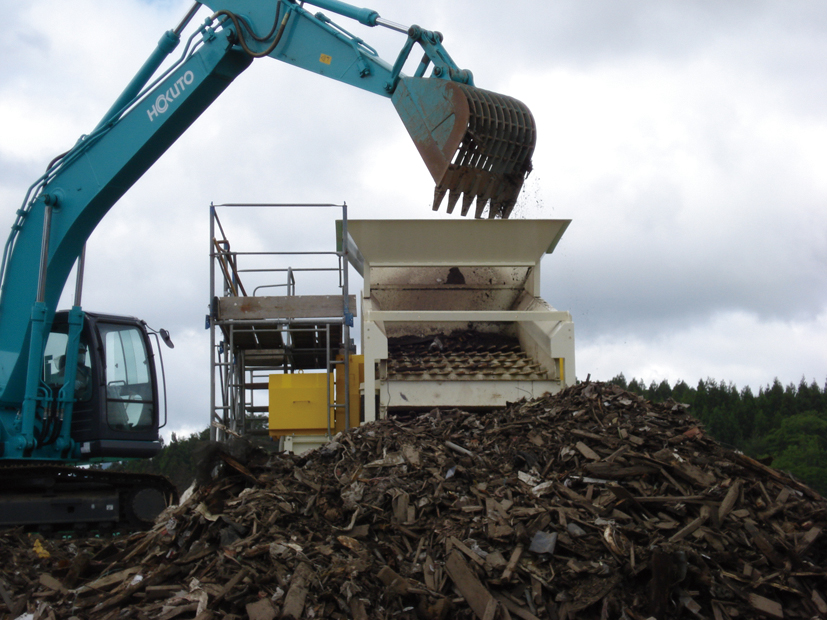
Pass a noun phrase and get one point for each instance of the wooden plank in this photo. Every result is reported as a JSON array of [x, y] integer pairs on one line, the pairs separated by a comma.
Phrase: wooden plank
[[467, 551], [180, 610], [516, 609], [283, 307], [232, 583], [357, 608], [512, 563], [394, 582], [429, 571], [764, 546], [808, 539], [160, 575], [729, 501], [495, 560], [819, 602], [606, 440], [691, 527], [53, 584], [263, 609], [7, 599], [766, 606], [104, 583], [479, 599], [297, 593], [750, 462], [587, 451], [610, 471], [783, 495]]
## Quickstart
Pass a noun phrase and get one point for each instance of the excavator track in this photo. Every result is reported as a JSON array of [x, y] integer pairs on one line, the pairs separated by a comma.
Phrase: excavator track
[[51, 497]]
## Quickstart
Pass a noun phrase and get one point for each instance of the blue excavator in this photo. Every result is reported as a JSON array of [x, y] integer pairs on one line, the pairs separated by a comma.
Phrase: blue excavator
[[79, 388]]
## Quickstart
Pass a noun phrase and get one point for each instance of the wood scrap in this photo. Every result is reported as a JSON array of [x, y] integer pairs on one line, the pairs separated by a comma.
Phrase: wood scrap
[[393, 521]]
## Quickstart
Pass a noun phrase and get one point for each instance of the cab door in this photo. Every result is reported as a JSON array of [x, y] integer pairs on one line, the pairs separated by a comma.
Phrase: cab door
[[129, 379]]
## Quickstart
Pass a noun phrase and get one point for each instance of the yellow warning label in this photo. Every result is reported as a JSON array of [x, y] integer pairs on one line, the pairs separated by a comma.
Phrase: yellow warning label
[[325, 59]]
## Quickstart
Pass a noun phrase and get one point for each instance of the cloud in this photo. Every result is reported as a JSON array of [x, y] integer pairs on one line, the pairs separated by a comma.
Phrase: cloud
[[734, 347], [681, 208]]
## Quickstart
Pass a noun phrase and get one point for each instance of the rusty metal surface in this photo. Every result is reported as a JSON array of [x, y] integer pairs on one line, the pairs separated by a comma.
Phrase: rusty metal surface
[[461, 355], [448, 288], [263, 345], [477, 144]]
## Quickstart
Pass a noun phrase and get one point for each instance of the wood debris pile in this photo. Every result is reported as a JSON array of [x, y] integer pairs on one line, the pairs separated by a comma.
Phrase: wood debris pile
[[589, 504]]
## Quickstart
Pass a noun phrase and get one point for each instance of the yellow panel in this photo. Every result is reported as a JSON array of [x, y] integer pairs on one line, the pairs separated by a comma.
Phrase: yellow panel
[[298, 403]]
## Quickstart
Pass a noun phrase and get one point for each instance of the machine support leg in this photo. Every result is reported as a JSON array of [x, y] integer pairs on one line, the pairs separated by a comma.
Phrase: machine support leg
[[30, 400]]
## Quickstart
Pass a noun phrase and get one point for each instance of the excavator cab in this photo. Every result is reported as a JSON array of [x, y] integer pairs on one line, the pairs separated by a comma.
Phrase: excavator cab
[[116, 408]]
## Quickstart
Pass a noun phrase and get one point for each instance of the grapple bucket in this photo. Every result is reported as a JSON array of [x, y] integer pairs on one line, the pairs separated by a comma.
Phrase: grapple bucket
[[476, 144]]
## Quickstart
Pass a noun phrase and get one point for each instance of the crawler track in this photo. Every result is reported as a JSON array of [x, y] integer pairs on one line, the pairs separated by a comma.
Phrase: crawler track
[[59, 497]]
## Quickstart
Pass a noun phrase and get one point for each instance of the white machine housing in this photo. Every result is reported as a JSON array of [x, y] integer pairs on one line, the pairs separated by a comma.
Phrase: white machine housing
[[426, 278]]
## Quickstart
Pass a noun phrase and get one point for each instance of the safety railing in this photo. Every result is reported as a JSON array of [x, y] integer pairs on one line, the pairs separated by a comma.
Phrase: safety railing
[[245, 349]]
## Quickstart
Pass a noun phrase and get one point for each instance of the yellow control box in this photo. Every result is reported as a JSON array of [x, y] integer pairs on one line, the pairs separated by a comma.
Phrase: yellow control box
[[298, 404]]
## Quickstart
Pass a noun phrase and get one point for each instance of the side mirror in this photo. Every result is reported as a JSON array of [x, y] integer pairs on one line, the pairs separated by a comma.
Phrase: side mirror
[[165, 337]]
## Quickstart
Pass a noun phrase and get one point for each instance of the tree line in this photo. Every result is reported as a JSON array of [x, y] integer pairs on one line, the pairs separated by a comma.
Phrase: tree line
[[783, 425]]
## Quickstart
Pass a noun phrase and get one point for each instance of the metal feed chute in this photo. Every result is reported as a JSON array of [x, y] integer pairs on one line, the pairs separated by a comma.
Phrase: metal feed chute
[[476, 144]]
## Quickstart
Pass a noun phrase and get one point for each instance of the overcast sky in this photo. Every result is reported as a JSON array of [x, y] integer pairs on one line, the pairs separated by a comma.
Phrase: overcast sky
[[686, 141]]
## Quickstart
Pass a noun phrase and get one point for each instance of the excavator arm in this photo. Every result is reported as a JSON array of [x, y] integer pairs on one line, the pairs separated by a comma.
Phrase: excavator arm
[[476, 144]]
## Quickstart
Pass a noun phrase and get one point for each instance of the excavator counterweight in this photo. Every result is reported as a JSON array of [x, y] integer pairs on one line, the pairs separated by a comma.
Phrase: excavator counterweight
[[476, 144]]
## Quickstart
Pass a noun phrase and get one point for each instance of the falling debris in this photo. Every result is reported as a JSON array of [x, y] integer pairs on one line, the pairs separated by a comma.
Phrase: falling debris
[[593, 503]]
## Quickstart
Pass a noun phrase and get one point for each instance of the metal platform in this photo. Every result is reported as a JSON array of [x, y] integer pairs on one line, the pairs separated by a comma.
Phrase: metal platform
[[254, 336]]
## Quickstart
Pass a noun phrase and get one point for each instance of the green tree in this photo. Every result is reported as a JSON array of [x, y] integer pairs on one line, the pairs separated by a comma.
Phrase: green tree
[[659, 392], [637, 387], [177, 460], [683, 393], [806, 459], [619, 380]]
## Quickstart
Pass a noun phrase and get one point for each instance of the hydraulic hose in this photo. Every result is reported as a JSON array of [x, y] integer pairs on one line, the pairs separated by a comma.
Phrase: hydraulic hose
[[240, 25], [272, 30]]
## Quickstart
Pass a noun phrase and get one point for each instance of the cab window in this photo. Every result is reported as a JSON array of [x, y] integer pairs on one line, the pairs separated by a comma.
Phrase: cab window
[[54, 364], [129, 405]]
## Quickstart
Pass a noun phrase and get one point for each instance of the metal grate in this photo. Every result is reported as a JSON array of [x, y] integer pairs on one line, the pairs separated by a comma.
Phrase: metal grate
[[461, 356]]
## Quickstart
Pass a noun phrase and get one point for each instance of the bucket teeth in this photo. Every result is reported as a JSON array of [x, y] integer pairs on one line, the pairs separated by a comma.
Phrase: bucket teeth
[[467, 199], [453, 197], [480, 207], [439, 194], [477, 144], [484, 196], [472, 194]]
